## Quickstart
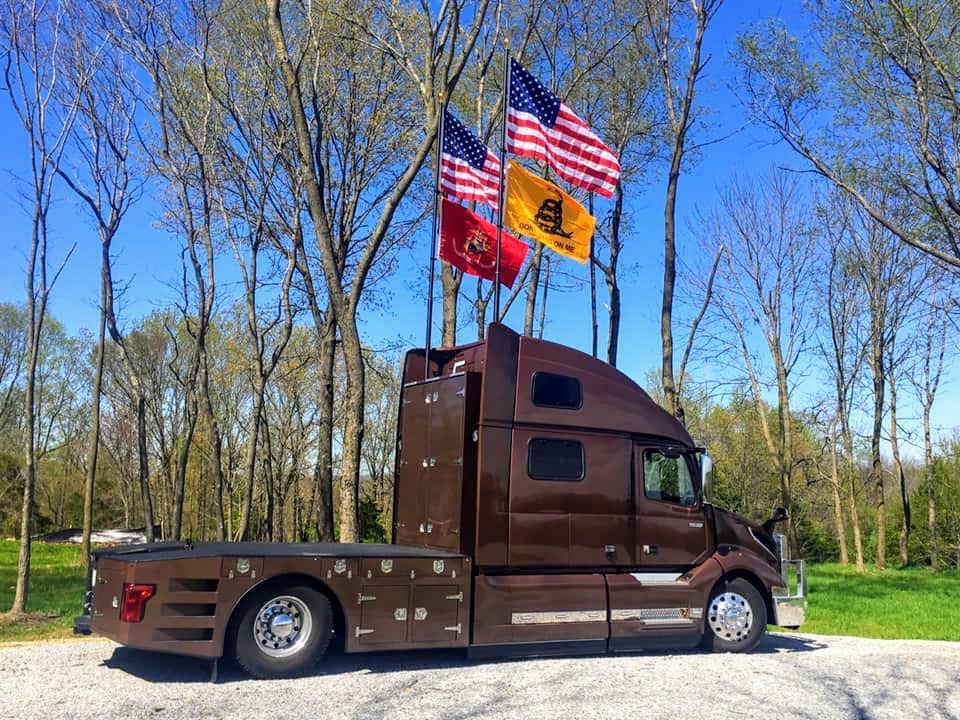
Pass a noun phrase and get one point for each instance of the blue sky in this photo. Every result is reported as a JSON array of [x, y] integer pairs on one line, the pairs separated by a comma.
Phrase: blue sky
[[148, 258]]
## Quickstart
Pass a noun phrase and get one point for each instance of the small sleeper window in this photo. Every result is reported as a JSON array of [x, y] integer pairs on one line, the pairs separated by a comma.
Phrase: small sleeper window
[[555, 459], [557, 391]]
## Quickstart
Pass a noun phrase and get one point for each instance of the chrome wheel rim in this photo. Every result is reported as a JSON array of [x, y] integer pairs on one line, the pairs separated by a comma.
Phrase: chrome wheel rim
[[282, 626], [730, 617]]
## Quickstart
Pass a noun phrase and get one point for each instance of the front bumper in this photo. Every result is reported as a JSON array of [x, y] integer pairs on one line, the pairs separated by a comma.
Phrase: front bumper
[[790, 602]]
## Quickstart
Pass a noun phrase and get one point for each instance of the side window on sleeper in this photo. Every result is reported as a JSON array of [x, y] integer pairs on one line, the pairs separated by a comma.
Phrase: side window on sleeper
[[555, 459], [557, 391]]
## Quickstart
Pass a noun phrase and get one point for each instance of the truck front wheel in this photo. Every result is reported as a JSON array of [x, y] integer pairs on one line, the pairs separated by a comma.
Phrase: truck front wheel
[[282, 631], [736, 617]]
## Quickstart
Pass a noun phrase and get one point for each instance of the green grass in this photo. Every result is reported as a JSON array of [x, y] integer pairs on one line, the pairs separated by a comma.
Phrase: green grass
[[56, 591], [911, 603], [898, 604]]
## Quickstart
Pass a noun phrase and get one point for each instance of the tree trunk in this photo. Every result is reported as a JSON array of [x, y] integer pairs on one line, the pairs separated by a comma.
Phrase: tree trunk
[[785, 441], [594, 324], [271, 483], [480, 311], [323, 470], [143, 463], [669, 279], [876, 366], [180, 471], [854, 511], [352, 432], [216, 459], [451, 293], [94, 447], [837, 500], [533, 289], [613, 284], [901, 476], [931, 489], [35, 317], [543, 306], [250, 463]]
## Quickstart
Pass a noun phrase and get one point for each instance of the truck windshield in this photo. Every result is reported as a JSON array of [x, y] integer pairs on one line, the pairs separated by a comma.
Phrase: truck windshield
[[668, 478]]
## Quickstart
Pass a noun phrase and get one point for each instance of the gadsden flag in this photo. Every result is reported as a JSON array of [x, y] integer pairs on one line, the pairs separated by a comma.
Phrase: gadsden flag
[[542, 211]]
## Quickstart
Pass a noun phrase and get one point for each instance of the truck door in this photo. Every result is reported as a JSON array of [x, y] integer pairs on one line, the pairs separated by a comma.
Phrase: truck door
[[671, 530]]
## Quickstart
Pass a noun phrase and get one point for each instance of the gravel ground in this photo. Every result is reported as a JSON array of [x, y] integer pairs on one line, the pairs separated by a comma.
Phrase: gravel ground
[[790, 676]]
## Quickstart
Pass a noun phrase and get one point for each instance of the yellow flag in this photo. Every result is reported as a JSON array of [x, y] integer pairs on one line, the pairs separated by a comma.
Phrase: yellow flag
[[542, 211]]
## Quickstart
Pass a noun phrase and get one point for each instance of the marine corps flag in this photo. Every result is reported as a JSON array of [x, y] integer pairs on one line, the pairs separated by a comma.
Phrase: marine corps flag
[[542, 211], [469, 242]]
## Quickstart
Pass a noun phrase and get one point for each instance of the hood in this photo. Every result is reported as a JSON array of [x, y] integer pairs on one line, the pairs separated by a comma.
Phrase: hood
[[734, 529]]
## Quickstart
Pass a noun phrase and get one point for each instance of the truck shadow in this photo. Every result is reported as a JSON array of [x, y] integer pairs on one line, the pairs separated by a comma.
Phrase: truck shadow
[[780, 643], [160, 668]]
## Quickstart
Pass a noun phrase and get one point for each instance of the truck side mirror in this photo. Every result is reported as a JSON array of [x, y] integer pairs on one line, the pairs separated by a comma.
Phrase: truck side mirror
[[706, 473], [779, 515]]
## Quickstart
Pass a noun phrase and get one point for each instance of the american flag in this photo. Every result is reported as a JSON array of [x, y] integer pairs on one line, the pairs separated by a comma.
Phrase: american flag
[[540, 126], [468, 170]]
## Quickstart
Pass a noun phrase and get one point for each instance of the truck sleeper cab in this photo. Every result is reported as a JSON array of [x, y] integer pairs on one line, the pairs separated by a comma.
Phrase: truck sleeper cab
[[544, 504]]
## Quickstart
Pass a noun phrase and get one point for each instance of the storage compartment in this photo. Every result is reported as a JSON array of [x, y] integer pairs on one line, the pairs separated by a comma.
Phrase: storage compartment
[[539, 608], [436, 614], [436, 472], [383, 615]]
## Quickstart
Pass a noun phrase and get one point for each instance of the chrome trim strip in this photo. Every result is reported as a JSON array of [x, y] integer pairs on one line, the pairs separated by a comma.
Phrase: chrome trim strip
[[657, 616], [564, 616], [655, 578]]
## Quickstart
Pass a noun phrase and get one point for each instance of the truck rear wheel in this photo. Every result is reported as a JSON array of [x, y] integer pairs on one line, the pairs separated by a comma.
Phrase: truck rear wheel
[[283, 631], [736, 617]]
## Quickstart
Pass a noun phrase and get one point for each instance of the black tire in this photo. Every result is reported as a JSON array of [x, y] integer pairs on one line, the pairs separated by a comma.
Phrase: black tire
[[735, 619], [300, 611]]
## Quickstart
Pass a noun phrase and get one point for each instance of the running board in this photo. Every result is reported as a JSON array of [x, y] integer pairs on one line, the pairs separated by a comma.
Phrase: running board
[[558, 648]]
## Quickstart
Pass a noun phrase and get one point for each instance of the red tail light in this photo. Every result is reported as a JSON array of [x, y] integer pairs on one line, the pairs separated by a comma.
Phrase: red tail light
[[135, 598]]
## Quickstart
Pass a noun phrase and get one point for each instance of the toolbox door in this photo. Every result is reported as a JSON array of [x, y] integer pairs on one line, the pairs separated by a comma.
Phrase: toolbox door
[[383, 615], [436, 614]]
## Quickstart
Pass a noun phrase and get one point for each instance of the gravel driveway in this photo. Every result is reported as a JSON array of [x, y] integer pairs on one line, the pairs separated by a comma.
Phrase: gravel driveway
[[796, 676]]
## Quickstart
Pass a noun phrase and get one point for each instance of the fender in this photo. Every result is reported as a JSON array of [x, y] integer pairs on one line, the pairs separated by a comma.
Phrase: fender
[[734, 558]]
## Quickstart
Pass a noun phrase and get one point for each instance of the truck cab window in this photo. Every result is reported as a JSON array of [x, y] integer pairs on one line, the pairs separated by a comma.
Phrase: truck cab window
[[555, 459], [557, 391], [666, 477]]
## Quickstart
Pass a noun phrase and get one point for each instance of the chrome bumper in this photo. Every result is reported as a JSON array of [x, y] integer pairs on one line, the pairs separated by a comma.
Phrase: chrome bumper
[[790, 602]]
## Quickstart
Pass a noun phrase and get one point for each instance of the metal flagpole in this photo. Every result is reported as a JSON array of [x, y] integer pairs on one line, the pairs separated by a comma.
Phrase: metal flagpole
[[433, 240], [503, 178]]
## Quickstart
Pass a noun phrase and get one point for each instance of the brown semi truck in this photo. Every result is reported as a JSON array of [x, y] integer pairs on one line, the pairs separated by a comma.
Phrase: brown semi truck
[[544, 505]]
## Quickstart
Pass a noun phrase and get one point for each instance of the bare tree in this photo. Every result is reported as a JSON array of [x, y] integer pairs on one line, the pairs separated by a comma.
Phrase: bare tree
[[623, 105], [433, 61], [886, 270], [926, 382], [32, 34], [770, 264], [881, 78], [844, 354], [662, 21], [100, 176]]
